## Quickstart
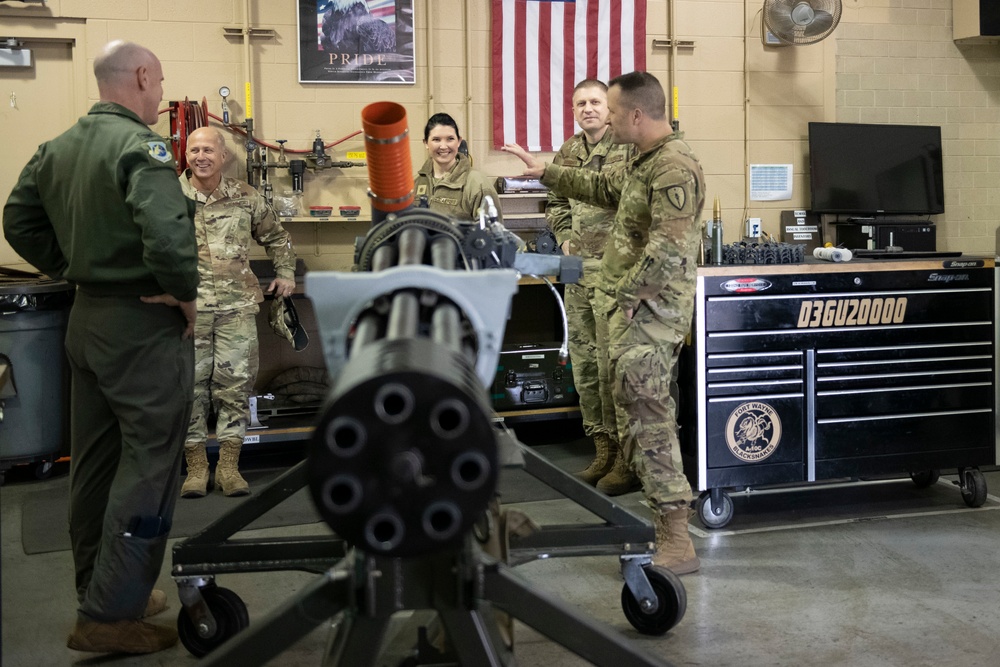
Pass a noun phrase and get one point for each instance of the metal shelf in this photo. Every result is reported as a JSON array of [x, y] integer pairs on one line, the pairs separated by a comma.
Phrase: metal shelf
[[331, 218]]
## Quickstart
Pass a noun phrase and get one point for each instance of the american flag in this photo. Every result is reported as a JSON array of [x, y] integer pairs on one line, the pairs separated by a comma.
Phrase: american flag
[[543, 48], [383, 9]]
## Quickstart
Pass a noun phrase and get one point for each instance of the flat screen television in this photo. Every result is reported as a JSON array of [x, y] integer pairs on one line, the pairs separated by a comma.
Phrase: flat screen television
[[875, 169]]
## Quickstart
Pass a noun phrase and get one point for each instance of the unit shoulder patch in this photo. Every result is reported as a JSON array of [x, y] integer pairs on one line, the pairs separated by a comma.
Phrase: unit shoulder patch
[[677, 196], [158, 151]]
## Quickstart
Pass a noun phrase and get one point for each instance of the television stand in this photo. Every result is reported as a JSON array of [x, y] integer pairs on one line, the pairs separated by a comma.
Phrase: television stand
[[880, 233], [879, 220]]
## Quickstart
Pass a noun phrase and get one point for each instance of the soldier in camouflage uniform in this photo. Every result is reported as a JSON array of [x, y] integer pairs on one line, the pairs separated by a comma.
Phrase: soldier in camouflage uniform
[[229, 214], [582, 229], [648, 274], [447, 180]]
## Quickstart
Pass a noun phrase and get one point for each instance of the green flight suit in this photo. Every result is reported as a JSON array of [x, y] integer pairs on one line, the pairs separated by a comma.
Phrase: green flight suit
[[100, 206]]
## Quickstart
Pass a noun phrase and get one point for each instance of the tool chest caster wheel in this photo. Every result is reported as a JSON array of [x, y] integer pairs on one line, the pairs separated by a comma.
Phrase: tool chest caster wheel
[[230, 615], [718, 516], [973, 485], [671, 603]]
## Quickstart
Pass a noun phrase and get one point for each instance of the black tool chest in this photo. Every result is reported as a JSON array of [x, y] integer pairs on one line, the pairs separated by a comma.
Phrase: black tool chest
[[802, 373]]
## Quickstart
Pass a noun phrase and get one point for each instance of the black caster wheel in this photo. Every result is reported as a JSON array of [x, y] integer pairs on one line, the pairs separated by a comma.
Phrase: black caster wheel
[[671, 599], [703, 506], [925, 478], [43, 470], [973, 487], [230, 618]]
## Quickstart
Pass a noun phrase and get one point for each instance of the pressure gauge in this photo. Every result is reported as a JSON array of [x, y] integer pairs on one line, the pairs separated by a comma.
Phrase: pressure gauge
[[224, 91]]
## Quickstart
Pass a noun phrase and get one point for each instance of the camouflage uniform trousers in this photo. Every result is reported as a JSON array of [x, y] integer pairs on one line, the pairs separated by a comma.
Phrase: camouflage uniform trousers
[[225, 369], [644, 355], [588, 352]]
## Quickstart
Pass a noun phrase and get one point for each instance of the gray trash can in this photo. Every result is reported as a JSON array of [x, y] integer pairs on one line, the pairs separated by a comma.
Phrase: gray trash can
[[34, 388]]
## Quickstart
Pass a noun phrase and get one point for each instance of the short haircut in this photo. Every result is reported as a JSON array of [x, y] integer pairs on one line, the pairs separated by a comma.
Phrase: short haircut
[[591, 83], [120, 58], [440, 119], [216, 134], [642, 90]]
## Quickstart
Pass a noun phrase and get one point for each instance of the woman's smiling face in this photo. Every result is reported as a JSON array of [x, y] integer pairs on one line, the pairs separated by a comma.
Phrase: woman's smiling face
[[442, 146]]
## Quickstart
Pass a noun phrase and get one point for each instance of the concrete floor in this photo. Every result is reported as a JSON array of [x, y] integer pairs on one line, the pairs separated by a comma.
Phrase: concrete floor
[[917, 587]]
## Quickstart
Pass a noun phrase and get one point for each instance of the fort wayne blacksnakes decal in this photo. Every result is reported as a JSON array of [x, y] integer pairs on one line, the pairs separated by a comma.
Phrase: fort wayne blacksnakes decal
[[753, 431]]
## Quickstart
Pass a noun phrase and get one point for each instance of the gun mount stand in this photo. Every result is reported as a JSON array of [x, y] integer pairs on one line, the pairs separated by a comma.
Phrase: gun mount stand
[[463, 587]]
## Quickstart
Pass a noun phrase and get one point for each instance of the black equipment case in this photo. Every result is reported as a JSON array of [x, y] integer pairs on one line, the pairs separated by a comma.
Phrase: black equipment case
[[533, 375]]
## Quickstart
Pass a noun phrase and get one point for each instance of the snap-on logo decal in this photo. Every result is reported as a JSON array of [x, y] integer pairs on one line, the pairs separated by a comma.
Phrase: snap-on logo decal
[[744, 285], [948, 277]]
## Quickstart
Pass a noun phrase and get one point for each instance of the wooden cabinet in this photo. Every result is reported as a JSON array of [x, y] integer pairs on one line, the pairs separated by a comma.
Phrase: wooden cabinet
[[524, 213]]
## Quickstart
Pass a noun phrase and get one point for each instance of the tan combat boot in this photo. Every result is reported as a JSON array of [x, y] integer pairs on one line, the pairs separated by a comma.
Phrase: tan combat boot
[[196, 483], [127, 636], [674, 549], [156, 604], [621, 479], [604, 459], [227, 474]]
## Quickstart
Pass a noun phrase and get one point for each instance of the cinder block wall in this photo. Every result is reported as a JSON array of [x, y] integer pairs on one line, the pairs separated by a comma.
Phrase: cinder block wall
[[888, 61], [897, 63]]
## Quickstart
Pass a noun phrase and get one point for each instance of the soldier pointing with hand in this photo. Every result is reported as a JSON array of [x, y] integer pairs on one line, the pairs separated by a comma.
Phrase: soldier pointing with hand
[[647, 279]]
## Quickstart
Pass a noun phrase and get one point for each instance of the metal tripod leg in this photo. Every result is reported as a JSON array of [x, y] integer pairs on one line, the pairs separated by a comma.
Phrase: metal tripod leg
[[319, 601], [212, 552], [592, 641], [358, 641], [391, 585], [623, 531], [475, 638]]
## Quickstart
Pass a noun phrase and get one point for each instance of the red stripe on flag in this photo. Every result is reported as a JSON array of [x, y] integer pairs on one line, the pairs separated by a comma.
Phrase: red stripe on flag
[[615, 45], [639, 31], [498, 73], [545, 101], [593, 9]]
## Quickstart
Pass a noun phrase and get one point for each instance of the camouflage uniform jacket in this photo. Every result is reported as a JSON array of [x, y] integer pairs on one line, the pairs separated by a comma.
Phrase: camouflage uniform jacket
[[584, 225], [651, 256], [459, 193], [224, 223]]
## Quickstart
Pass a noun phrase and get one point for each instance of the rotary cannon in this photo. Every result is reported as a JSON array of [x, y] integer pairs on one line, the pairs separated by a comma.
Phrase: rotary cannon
[[404, 457]]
